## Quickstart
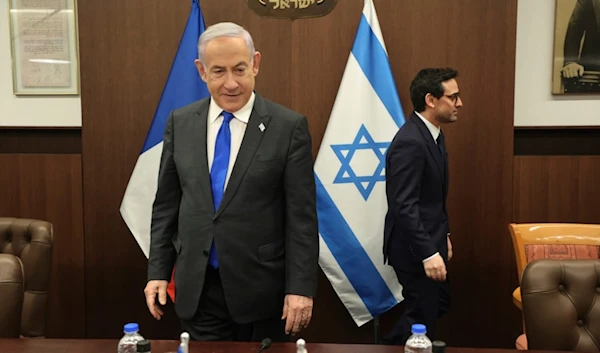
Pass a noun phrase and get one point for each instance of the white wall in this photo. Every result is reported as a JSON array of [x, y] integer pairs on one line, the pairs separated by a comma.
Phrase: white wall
[[54, 111], [535, 105]]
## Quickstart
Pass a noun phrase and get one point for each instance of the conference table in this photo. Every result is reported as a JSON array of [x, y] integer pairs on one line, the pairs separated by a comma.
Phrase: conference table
[[42, 345]]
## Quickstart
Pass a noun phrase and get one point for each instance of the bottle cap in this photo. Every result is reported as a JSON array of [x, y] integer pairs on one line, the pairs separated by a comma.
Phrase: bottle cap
[[143, 346], [131, 327], [438, 347], [418, 329]]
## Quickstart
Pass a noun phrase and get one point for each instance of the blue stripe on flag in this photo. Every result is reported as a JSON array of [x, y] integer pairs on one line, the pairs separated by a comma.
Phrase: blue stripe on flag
[[373, 60], [184, 85], [351, 256]]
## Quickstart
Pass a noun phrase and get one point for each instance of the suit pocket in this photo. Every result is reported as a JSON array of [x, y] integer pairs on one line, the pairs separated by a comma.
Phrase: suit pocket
[[271, 251], [266, 163]]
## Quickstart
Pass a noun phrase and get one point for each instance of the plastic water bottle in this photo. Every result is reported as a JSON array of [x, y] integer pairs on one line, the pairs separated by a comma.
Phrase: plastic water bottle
[[128, 343], [184, 344], [418, 341], [301, 346]]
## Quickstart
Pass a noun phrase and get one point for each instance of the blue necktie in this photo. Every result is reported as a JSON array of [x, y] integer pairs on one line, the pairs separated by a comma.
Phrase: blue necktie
[[218, 173]]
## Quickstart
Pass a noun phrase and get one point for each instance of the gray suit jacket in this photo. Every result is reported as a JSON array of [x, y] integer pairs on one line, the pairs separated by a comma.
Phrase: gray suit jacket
[[265, 228]]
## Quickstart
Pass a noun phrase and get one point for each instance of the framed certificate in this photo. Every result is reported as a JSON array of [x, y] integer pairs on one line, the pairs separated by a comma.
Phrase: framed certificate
[[45, 55]]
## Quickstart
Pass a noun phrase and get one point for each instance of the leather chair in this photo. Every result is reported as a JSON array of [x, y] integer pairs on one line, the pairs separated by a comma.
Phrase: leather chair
[[560, 305], [11, 295], [32, 242], [559, 241]]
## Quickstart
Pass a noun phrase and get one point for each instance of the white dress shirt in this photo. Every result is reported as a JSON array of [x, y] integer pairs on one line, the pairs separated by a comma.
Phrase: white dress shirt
[[435, 132], [237, 125]]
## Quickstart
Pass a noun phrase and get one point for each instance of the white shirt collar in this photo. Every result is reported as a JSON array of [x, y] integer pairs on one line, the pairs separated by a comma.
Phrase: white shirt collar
[[434, 130], [214, 111]]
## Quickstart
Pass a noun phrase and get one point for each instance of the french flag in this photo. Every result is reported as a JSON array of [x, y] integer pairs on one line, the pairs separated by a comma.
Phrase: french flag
[[183, 87]]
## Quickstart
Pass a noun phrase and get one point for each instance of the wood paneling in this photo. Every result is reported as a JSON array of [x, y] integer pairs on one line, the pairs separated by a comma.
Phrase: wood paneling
[[48, 187], [124, 67], [470, 36], [480, 190], [557, 189], [324, 57], [45, 141], [557, 142], [123, 70]]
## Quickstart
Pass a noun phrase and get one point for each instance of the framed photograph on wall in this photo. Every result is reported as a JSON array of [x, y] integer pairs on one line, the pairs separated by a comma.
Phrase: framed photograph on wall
[[576, 66], [44, 47]]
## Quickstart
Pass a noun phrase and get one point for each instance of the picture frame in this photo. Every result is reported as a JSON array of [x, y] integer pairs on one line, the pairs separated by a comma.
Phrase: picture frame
[[576, 67], [44, 47]]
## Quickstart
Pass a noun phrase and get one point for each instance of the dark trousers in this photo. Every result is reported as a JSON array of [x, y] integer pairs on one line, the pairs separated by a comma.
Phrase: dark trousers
[[212, 321], [425, 301]]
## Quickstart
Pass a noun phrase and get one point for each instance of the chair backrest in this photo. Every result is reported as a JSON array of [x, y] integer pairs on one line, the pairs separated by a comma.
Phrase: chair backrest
[[12, 291], [559, 241], [32, 241], [559, 305]]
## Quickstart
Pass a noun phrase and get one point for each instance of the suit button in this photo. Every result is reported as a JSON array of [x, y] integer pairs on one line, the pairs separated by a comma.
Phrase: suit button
[[444, 221], [205, 253]]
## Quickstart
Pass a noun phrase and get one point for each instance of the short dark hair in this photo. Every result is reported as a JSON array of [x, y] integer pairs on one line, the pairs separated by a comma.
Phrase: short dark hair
[[429, 81]]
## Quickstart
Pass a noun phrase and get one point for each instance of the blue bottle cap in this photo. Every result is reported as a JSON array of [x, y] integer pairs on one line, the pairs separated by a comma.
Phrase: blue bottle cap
[[418, 329], [131, 327]]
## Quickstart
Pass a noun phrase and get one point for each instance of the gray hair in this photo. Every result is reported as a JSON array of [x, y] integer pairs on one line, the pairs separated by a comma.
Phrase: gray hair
[[224, 29]]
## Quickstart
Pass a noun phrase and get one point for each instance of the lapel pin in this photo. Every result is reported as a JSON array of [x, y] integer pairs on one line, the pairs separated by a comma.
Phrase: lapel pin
[[261, 127]]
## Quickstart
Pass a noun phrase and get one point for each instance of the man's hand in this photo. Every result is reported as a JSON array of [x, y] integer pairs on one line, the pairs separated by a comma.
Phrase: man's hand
[[435, 268], [450, 253], [572, 70], [152, 289], [297, 311]]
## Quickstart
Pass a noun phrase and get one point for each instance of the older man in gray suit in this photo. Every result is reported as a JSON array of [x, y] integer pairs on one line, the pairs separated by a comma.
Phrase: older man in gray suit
[[235, 208]]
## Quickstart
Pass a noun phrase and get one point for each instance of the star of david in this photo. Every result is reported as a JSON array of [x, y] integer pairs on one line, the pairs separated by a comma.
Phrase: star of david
[[345, 152]]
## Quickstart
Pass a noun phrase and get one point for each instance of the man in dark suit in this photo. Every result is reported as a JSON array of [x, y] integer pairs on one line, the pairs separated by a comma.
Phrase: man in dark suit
[[583, 24], [581, 67], [235, 209], [417, 234]]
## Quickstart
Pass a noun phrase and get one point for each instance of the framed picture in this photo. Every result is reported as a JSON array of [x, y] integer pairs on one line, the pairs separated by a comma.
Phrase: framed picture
[[576, 66], [45, 55]]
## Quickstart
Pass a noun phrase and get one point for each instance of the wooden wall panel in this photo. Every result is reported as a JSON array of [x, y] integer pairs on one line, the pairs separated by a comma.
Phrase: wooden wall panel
[[48, 187], [557, 142], [480, 148], [42, 141], [126, 50], [124, 67], [557, 189]]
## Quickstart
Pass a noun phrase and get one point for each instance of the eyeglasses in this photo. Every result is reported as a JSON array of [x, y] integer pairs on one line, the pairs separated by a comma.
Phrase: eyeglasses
[[453, 97]]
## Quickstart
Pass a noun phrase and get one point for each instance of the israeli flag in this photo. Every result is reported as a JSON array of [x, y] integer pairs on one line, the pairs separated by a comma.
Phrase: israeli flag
[[350, 177]]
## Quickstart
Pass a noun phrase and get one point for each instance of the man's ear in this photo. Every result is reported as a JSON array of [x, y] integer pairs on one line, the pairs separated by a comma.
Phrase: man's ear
[[201, 70], [430, 100], [255, 63]]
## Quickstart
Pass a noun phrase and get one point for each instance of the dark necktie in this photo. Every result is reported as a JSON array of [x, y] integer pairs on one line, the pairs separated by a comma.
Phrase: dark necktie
[[441, 145], [218, 173]]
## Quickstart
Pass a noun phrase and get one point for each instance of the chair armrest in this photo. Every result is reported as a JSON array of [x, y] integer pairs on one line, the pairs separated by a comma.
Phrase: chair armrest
[[517, 298]]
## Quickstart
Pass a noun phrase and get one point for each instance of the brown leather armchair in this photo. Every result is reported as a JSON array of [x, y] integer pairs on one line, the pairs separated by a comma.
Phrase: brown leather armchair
[[559, 241], [31, 241], [11, 295], [560, 305]]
